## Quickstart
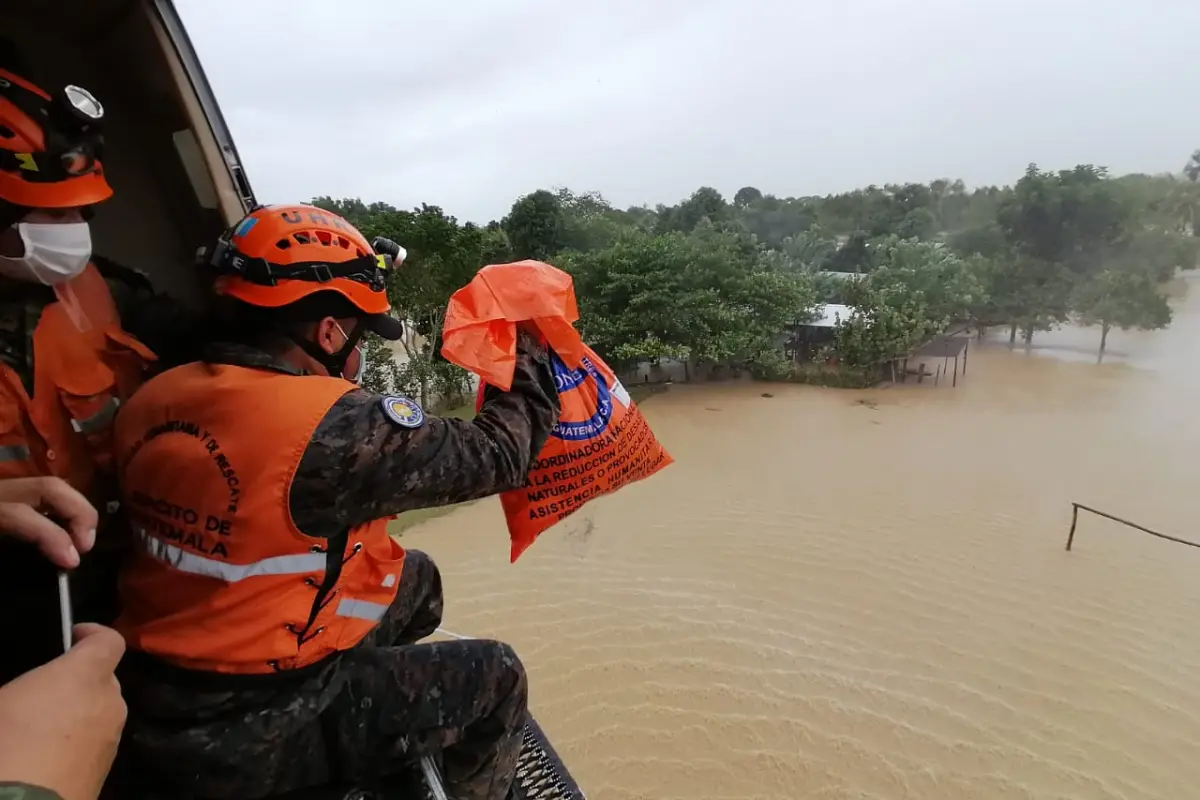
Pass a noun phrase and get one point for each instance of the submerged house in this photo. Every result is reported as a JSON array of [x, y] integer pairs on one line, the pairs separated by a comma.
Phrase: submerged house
[[808, 337]]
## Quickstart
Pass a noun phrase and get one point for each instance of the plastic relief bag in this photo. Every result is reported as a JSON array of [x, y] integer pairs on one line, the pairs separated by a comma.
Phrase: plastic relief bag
[[601, 441]]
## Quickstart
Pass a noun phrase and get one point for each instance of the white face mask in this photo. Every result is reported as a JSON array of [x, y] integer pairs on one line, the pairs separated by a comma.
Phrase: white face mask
[[362, 360], [362, 366], [54, 252]]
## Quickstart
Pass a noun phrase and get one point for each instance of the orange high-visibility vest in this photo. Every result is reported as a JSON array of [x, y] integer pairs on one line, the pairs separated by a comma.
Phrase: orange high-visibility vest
[[223, 580], [80, 377]]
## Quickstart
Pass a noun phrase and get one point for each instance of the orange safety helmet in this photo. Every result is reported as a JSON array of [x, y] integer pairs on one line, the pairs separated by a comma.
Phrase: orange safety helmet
[[50, 147], [281, 254]]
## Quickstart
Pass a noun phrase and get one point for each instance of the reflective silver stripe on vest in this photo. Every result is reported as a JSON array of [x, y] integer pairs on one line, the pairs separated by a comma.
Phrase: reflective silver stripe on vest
[[14, 452], [98, 421], [194, 564], [361, 609]]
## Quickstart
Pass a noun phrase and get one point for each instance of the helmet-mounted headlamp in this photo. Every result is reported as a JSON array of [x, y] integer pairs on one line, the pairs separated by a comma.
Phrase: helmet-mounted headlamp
[[389, 248], [71, 128], [80, 104]]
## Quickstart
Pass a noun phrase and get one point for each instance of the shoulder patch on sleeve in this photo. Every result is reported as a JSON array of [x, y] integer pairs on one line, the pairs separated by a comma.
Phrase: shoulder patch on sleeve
[[402, 411]]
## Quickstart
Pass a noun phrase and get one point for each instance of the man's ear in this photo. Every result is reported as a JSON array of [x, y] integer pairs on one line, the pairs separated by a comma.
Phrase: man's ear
[[327, 335]]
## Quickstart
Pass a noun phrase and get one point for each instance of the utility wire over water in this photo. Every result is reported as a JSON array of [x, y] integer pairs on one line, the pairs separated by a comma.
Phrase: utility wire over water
[[842, 599]]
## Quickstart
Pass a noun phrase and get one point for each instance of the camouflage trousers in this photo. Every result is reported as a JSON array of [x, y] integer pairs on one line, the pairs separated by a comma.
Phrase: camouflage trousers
[[365, 718]]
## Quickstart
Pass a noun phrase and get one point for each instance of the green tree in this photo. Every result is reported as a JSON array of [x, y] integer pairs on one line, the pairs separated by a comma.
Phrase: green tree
[[984, 240], [983, 205], [1061, 228], [719, 282], [809, 251], [1157, 253], [701, 297], [1162, 202], [929, 276], [705, 203], [1039, 296], [382, 372], [590, 222], [852, 255], [746, 196], [1115, 298], [950, 203], [494, 246], [1182, 206], [1192, 168], [535, 226], [773, 221], [1072, 218], [738, 310], [628, 298], [879, 332], [1000, 302]]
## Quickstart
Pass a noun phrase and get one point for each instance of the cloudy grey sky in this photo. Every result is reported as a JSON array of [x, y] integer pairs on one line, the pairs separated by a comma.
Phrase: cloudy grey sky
[[469, 103]]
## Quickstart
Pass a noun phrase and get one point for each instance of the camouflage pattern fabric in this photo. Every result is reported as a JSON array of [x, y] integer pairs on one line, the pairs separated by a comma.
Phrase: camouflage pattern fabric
[[21, 306], [373, 710], [363, 466], [360, 719]]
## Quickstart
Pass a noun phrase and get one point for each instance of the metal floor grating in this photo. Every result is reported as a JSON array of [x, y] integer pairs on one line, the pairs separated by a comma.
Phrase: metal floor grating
[[541, 774]]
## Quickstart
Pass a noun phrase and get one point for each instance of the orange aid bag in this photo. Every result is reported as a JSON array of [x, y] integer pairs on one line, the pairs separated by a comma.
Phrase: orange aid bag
[[601, 441]]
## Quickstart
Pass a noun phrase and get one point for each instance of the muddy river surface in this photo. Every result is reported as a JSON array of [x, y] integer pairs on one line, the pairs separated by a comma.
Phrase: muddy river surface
[[838, 594]]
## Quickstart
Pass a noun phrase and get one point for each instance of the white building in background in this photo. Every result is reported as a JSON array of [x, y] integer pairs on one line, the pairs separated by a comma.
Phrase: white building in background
[[842, 276], [831, 315]]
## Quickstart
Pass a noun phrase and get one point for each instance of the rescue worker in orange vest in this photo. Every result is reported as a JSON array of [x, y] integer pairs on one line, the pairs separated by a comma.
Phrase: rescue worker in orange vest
[[66, 361], [269, 615]]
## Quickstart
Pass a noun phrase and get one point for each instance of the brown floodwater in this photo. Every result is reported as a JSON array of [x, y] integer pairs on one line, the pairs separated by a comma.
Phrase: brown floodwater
[[838, 594]]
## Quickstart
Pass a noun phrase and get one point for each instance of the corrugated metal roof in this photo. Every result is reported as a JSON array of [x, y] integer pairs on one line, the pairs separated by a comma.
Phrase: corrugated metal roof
[[831, 314]]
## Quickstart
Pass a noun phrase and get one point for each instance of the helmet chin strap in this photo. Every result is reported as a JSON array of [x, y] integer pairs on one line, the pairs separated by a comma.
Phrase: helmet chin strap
[[334, 363], [11, 214]]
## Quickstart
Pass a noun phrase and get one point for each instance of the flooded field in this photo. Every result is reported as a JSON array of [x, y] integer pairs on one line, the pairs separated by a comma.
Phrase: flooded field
[[842, 594]]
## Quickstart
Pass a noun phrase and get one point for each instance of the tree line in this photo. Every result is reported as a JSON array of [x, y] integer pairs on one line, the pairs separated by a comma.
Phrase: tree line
[[719, 283]]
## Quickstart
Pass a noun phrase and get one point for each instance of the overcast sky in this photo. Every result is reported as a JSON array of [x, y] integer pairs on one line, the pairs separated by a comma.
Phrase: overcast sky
[[469, 103]]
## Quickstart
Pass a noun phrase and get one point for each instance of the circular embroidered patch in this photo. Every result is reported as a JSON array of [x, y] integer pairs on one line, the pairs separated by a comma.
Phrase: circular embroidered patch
[[402, 411]]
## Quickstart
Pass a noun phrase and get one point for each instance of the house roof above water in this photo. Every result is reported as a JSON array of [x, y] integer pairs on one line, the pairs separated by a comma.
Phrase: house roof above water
[[831, 313]]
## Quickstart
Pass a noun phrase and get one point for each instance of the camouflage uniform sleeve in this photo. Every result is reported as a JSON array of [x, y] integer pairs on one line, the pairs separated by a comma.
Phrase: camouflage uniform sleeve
[[362, 466]]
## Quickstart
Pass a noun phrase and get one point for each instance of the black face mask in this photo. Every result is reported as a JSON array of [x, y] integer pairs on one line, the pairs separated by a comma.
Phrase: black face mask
[[334, 363]]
